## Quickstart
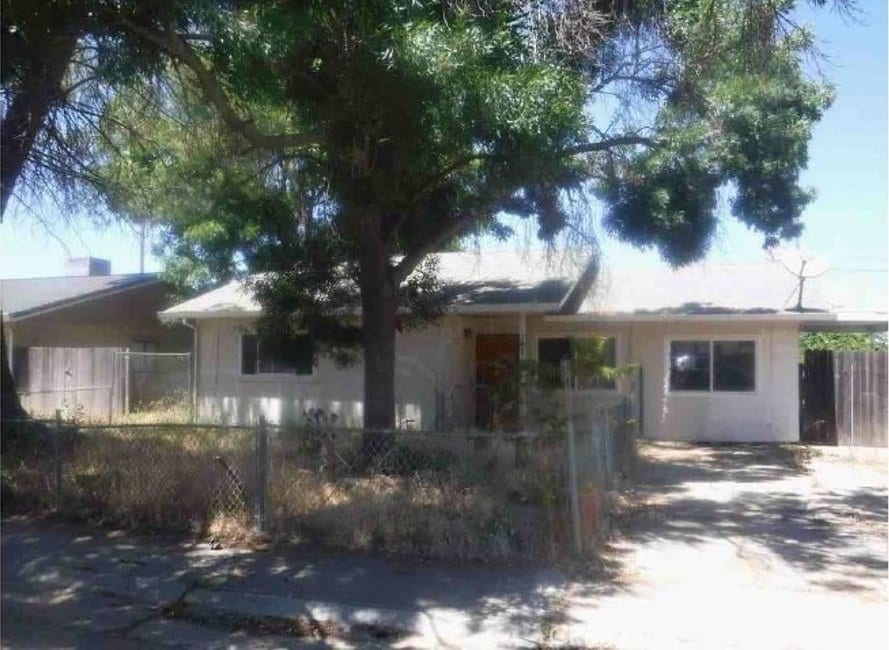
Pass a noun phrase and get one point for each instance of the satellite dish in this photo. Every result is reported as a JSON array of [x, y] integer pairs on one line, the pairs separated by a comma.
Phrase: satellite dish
[[798, 261], [803, 265]]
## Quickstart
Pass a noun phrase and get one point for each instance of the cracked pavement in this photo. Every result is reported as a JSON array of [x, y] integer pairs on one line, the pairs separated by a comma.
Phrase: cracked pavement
[[720, 547]]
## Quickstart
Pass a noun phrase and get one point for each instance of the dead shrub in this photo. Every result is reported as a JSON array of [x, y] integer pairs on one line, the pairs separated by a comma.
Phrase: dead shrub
[[227, 530]]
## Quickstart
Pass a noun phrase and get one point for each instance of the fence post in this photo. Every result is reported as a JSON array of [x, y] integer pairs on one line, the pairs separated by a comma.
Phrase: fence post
[[261, 449], [572, 462], [608, 448], [57, 460]]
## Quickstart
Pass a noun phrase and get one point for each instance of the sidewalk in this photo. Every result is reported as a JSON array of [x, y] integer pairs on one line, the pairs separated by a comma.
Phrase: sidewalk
[[727, 547], [117, 586]]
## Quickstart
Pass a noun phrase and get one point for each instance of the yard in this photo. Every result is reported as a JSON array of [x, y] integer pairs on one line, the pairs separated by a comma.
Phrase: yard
[[717, 547], [458, 495]]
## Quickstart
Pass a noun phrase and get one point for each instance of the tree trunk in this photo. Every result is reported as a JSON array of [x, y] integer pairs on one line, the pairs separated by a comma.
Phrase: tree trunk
[[30, 105], [24, 119], [10, 405], [379, 305]]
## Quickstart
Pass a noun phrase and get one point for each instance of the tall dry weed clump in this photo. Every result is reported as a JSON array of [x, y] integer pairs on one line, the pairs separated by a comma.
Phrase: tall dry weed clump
[[465, 496], [435, 495]]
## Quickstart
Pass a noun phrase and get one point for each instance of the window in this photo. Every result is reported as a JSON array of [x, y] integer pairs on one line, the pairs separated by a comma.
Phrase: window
[[733, 365], [690, 365], [717, 366], [552, 351], [144, 346], [265, 356]]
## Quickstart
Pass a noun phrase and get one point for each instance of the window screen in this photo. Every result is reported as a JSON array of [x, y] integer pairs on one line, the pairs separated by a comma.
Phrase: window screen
[[690, 365], [274, 356], [734, 365]]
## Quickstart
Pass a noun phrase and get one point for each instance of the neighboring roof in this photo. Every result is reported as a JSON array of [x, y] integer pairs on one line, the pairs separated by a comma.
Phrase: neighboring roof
[[536, 282], [26, 297]]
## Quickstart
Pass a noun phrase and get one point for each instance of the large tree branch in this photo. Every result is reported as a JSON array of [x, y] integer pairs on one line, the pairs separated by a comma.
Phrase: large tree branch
[[29, 108], [605, 145], [410, 261], [591, 147], [177, 47]]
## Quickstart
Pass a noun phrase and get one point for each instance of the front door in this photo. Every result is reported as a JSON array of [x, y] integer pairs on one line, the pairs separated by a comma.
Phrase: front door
[[496, 381]]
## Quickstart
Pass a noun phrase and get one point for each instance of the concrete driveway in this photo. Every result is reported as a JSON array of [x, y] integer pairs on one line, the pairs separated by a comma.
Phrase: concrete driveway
[[722, 547], [745, 547]]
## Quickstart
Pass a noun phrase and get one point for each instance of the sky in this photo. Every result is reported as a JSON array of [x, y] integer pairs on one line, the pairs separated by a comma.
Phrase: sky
[[845, 227]]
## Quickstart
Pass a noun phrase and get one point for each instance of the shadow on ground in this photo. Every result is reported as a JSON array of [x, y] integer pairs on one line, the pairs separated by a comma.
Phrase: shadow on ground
[[761, 496], [73, 577]]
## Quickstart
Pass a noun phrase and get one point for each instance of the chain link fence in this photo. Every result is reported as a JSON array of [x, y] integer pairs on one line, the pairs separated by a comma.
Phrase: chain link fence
[[104, 384], [468, 495]]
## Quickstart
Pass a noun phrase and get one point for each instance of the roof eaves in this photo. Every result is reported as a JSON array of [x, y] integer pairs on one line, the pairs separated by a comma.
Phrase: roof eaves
[[76, 300]]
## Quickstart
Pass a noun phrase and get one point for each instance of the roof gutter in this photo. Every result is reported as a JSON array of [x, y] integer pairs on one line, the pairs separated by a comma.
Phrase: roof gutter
[[835, 320], [478, 309]]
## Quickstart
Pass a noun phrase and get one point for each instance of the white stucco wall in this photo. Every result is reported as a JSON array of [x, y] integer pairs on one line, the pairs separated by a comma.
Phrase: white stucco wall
[[435, 375], [224, 395], [768, 414]]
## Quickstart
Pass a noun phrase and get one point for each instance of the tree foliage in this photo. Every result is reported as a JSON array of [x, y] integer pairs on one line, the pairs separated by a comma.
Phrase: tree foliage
[[336, 145], [855, 341]]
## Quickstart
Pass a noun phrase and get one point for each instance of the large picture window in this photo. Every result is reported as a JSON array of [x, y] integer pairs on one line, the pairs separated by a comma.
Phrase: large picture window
[[552, 351], [713, 366], [261, 356]]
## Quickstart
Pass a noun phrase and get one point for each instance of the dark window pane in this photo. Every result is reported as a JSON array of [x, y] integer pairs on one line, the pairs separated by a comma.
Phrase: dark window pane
[[550, 354], [248, 354], [609, 360], [303, 354], [734, 364], [292, 357], [690, 365]]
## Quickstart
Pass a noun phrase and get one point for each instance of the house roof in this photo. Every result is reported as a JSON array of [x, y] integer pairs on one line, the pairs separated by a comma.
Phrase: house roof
[[535, 281], [472, 282], [21, 298]]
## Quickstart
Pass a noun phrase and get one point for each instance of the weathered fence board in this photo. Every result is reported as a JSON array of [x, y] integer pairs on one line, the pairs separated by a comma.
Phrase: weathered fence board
[[860, 386], [99, 383], [82, 379]]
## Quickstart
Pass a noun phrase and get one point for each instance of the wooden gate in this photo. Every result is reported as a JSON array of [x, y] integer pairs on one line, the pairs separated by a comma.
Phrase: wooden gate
[[860, 389], [843, 398]]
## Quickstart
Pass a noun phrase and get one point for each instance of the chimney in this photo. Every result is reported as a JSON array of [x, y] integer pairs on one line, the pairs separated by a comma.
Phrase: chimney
[[87, 266]]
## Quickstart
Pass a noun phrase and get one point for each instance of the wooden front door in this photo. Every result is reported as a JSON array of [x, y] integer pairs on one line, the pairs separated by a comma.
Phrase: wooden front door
[[496, 381]]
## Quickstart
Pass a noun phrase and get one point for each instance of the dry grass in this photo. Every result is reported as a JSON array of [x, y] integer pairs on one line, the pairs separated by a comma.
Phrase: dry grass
[[443, 495], [228, 530], [169, 410], [458, 502]]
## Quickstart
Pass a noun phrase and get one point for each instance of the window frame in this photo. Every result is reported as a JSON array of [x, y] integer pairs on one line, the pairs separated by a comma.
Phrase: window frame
[[265, 376], [756, 339], [618, 351]]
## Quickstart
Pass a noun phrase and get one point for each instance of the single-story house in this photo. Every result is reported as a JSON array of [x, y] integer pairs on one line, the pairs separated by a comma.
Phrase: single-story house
[[63, 333], [90, 307], [717, 347]]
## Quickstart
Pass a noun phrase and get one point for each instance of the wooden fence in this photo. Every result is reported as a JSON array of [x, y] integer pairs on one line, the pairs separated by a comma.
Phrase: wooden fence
[[860, 388], [97, 383], [86, 380], [843, 398]]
